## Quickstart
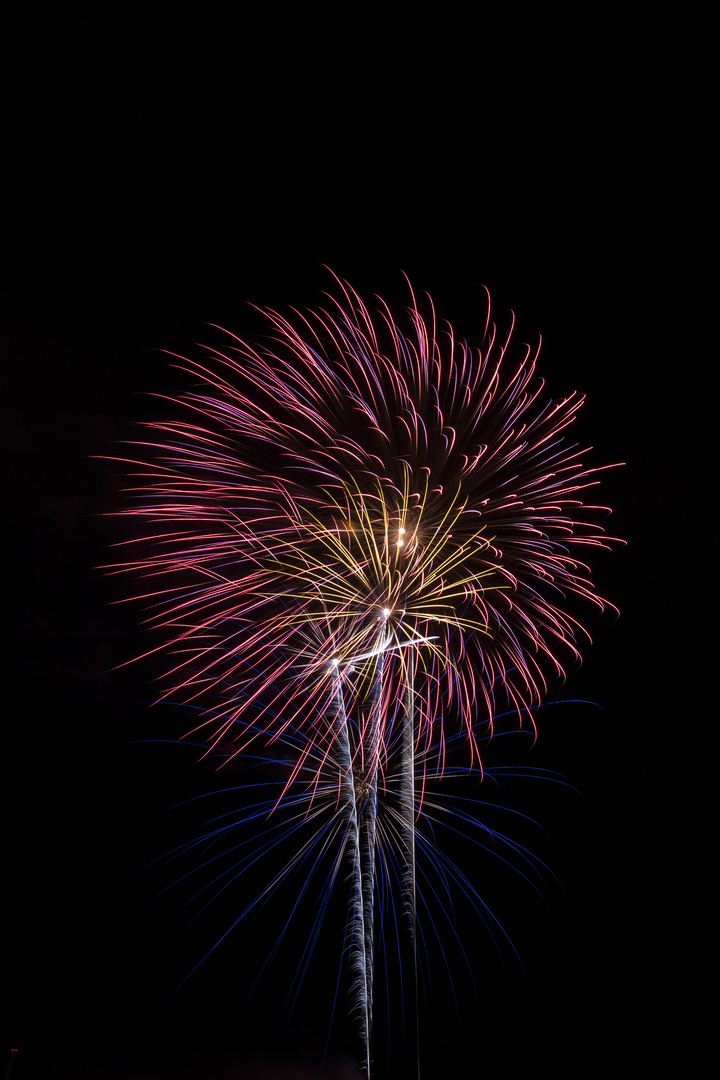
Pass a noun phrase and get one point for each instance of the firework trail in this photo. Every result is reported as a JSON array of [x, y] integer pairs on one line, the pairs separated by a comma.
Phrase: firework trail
[[358, 534]]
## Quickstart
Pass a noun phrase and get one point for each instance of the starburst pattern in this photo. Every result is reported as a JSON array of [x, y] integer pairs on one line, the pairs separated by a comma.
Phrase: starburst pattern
[[363, 529]]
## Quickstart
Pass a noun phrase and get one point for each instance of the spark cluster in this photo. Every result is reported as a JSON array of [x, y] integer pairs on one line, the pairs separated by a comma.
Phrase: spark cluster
[[358, 497]]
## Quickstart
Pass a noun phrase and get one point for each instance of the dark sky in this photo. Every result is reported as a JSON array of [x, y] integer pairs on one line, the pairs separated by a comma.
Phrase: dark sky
[[160, 178]]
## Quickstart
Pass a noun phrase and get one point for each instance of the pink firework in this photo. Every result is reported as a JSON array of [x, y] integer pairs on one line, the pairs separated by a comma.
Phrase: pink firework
[[353, 491], [361, 539]]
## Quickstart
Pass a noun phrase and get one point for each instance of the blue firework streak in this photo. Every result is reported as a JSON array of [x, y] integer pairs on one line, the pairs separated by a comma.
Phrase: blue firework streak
[[300, 851]]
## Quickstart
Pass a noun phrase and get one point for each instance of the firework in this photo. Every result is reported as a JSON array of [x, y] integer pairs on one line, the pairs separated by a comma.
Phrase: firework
[[358, 537]]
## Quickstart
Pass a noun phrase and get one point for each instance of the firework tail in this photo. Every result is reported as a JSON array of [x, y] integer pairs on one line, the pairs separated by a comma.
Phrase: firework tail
[[356, 943], [362, 854], [369, 758], [407, 852]]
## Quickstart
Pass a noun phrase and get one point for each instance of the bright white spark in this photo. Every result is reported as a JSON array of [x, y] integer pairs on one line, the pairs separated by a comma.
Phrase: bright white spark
[[384, 646]]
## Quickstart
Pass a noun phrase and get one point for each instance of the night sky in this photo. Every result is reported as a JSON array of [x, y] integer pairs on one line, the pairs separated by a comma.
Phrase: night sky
[[162, 178]]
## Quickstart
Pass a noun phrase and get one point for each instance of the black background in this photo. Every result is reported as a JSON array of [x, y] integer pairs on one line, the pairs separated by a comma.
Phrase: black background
[[163, 176]]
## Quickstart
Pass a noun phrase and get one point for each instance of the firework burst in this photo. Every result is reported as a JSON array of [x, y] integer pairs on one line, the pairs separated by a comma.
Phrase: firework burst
[[361, 531]]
